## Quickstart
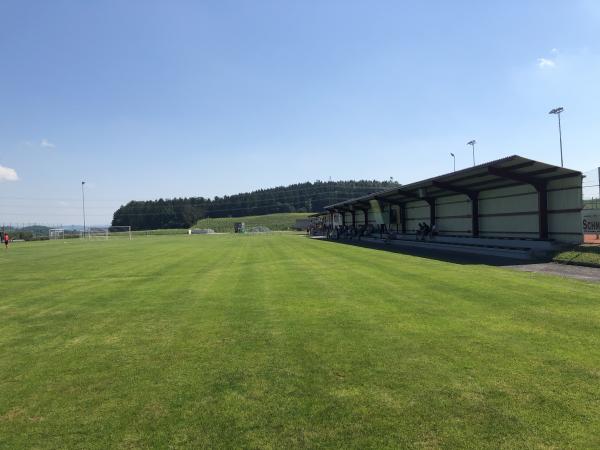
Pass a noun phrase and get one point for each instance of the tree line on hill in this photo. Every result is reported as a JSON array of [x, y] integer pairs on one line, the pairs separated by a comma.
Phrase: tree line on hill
[[185, 212]]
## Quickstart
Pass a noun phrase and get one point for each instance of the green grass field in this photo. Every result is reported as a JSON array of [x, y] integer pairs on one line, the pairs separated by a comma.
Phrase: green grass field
[[278, 341], [276, 222]]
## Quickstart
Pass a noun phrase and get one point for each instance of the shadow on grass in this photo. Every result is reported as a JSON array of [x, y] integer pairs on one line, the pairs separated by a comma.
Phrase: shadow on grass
[[449, 256]]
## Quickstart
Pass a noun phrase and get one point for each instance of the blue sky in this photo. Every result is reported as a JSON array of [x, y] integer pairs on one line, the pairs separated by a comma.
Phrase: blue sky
[[148, 99]]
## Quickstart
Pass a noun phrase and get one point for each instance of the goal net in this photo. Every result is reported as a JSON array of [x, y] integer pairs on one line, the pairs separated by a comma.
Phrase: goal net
[[120, 231], [109, 232], [97, 233], [56, 233]]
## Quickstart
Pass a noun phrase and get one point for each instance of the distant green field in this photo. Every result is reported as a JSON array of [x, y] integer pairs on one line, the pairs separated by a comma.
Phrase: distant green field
[[276, 222], [158, 232], [279, 341]]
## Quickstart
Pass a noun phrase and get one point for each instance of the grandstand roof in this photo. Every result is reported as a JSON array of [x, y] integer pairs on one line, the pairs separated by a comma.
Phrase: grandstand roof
[[510, 171]]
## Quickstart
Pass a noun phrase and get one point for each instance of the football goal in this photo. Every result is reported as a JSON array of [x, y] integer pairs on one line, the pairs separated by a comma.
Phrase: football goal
[[96, 233], [108, 232], [56, 233], [104, 233], [122, 231]]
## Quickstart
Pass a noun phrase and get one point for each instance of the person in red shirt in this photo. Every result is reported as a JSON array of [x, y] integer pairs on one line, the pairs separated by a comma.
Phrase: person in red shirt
[[6, 240]]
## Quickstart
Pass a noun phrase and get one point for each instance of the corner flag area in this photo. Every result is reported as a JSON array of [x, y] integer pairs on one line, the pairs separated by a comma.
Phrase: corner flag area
[[278, 341]]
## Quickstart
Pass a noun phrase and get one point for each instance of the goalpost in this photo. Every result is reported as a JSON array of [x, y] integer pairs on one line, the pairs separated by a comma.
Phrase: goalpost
[[97, 233], [56, 233], [120, 231]]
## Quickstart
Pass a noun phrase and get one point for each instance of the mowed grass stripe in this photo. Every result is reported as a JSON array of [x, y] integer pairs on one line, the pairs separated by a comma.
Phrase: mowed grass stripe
[[441, 296], [281, 341]]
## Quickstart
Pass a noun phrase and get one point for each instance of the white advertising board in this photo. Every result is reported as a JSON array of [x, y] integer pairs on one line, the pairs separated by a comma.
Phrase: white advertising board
[[591, 221]]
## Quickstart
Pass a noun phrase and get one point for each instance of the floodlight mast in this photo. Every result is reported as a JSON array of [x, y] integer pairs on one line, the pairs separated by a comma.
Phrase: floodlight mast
[[83, 206], [454, 161], [472, 144], [557, 112]]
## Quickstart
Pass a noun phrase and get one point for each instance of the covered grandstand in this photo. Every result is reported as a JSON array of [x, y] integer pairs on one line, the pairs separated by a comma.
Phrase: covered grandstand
[[513, 198]]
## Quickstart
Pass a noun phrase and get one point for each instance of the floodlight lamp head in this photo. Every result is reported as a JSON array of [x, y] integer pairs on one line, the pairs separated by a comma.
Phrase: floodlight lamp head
[[557, 110], [452, 154], [473, 142]]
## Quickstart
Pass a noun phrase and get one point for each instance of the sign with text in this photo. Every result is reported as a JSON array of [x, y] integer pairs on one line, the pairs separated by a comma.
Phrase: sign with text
[[591, 220]]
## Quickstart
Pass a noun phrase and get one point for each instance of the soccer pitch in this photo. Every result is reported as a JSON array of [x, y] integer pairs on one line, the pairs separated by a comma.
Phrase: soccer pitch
[[279, 341]]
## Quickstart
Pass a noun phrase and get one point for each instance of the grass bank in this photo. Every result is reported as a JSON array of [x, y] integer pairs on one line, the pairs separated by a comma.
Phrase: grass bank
[[276, 222]]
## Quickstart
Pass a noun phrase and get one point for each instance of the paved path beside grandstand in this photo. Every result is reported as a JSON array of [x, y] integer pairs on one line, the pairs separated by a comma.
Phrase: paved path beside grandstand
[[563, 270]]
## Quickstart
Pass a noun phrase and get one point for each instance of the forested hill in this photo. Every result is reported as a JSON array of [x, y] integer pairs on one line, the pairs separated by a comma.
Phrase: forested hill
[[184, 212]]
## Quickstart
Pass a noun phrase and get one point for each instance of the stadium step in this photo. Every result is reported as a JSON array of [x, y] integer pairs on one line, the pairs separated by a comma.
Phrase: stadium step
[[523, 253], [502, 242]]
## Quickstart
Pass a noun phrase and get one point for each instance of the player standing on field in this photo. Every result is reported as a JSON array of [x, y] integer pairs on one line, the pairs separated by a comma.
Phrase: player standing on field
[[6, 240]]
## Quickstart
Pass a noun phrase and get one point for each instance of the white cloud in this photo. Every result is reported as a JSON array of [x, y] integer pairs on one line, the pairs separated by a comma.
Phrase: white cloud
[[47, 144], [8, 174], [544, 63]]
